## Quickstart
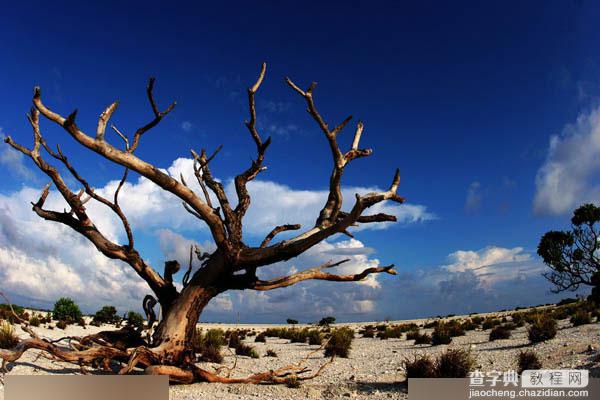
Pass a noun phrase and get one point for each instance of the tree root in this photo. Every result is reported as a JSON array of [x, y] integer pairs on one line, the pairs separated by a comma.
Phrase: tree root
[[106, 346]]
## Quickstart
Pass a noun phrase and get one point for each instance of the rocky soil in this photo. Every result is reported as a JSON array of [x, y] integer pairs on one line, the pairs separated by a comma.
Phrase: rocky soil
[[374, 368]]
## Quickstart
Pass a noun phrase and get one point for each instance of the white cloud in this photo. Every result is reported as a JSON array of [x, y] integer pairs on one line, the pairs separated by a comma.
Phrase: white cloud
[[37, 265], [42, 261], [567, 177], [492, 264]]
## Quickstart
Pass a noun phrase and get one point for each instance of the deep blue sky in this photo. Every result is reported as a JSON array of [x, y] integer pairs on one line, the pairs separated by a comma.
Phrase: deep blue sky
[[451, 92]]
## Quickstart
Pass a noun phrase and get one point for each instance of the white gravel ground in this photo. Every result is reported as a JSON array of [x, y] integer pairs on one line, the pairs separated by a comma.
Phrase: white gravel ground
[[373, 370]]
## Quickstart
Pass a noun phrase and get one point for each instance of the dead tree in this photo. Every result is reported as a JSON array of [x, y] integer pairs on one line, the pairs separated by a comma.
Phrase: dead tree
[[232, 266]]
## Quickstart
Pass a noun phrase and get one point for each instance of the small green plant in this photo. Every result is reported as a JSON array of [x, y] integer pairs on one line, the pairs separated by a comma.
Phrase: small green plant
[[528, 359], [339, 343], [441, 335], [8, 338], [454, 363], [61, 324], [315, 337], [499, 332], [541, 329], [420, 367], [292, 321], [581, 317], [34, 321], [66, 310]]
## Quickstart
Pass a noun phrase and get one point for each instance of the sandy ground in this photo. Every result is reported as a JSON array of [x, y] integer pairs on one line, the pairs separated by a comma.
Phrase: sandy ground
[[373, 370]]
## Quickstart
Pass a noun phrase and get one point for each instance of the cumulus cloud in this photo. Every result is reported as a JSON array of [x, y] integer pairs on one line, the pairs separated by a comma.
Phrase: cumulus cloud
[[568, 176], [41, 261], [493, 264], [40, 268], [481, 280]]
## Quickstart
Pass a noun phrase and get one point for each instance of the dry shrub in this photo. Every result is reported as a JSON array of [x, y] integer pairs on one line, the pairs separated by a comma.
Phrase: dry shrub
[[246, 350], [369, 331], [8, 338], [454, 363], [542, 328], [271, 353], [208, 345], [420, 367], [499, 332], [340, 342], [315, 337], [581, 317], [528, 360], [261, 338], [441, 335], [35, 321]]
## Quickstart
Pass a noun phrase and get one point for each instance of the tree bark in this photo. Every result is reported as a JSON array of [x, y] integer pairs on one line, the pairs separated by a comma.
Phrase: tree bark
[[174, 334]]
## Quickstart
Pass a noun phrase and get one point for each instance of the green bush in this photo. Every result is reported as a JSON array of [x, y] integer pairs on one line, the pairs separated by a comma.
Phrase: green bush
[[61, 324], [528, 360], [298, 335], [34, 320], [499, 332], [315, 337], [208, 345], [7, 314], [441, 335], [541, 329], [581, 317], [454, 363], [65, 309], [8, 338], [339, 343], [326, 321], [106, 315], [135, 319], [292, 321]]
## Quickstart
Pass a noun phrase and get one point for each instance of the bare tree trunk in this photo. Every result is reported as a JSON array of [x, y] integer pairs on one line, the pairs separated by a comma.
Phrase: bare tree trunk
[[174, 334]]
